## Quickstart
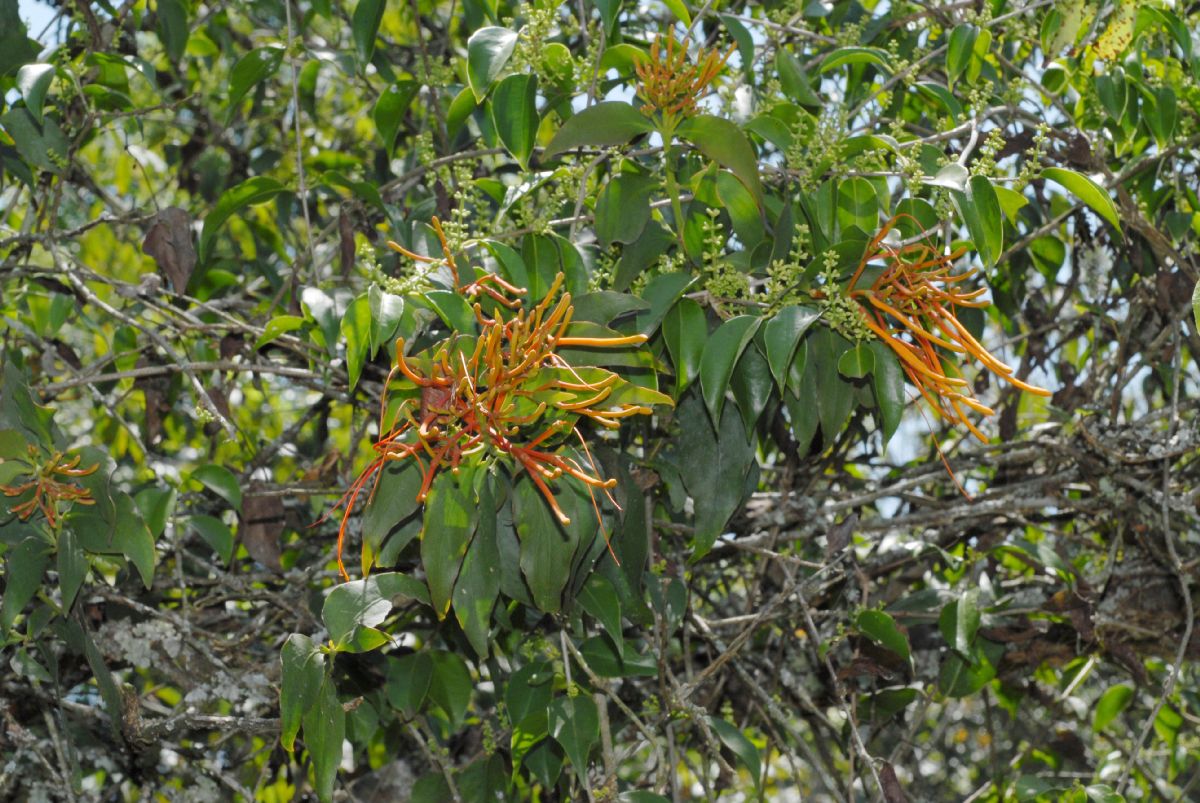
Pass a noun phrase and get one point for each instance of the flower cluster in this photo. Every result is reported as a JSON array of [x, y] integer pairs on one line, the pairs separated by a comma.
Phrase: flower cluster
[[671, 82], [48, 491], [506, 393], [911, 307]]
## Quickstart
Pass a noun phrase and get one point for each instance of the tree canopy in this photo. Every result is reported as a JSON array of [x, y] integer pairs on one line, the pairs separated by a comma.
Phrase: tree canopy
[[609, 400]]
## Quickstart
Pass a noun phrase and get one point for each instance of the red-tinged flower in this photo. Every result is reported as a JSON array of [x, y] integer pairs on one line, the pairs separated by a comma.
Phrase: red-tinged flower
[[506, 393], [48, 491], [671, 82], [911, 306]]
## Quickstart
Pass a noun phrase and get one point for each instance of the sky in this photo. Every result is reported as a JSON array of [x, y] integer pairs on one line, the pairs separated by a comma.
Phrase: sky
[[36, 15]]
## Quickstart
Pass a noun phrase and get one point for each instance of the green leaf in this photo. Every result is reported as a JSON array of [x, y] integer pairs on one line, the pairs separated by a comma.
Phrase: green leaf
[[450, 685], [685, 330], [216, 534], [607, 123], [752, 385], [529, 691], [393, 501], [488, 50], [881, 628], [390, 109], [1102, 793], [721, 354], [408, 681], [574, 722], [858, 205], [981, 212], [387, 311], [32, 82], [680, 10], [72, 566], [452, 308], [16, 48], [1011, 202], [794, 80], [959, 621], [857, 55], [252, 191], [1196, 303], [221, 481], [361, 603], [661, 293], [960, 49], [478, 581], [741, 747], [887, 381], [835, 396], [782, 334], [324, 732], [857, 362], [356, 334], [726, 144], [547, 548], [278, 326], [257, 65], [173, 27], [714, 464], [514, 113], [24, 565], [623, 209], [365, 25], [606, 662], [599, 598], [303, 671], [450, 519], [1114, 700], [156, 506], [1087, 191], [43, 146]]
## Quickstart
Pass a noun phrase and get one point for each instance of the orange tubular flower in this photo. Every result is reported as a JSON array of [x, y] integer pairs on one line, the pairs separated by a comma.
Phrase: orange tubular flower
[[671, 82], [506, 392], [48, 491], [911, 307]]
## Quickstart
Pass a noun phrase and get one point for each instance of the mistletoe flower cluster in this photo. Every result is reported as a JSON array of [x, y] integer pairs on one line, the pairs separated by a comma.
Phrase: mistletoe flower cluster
[[505, 394], [911, 306], [48, 491], [671, 82]]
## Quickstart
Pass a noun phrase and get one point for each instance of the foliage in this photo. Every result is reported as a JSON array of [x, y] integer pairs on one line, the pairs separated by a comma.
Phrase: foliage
[[629, 344]]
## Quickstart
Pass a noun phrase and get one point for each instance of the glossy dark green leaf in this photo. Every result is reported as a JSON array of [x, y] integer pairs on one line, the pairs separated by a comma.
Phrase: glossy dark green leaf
[[24, 565], [857, 55], [216, 534], [661, 293], [605, 306], [887, 381], [72, 566], [488, 50], [881, 628], [42, 145], [390, 502], [741, 747], [450, 685], [794, 80], [221, 481], [252, 191], [356, 335], [834, 395], [547, 547], [623, 209], [324, 732], [1086, 190], [858, 205], [752, 386], [361, 603], [408, 680], [722, 141], [713, 464], [959, 50], [450, 519], [742, 209], [173, 27], [252, 68], [33, 81], [303, 672], [782, 334], [453, 309], [514, 113], [603, 659], [364, 25], [685, 331], [390, 109], [478, 581], [387, 311], [607, 123], [960, 620], [980, 210], [599, 598], [156, 506], [574, 722], [857, 362], [721, 354]]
